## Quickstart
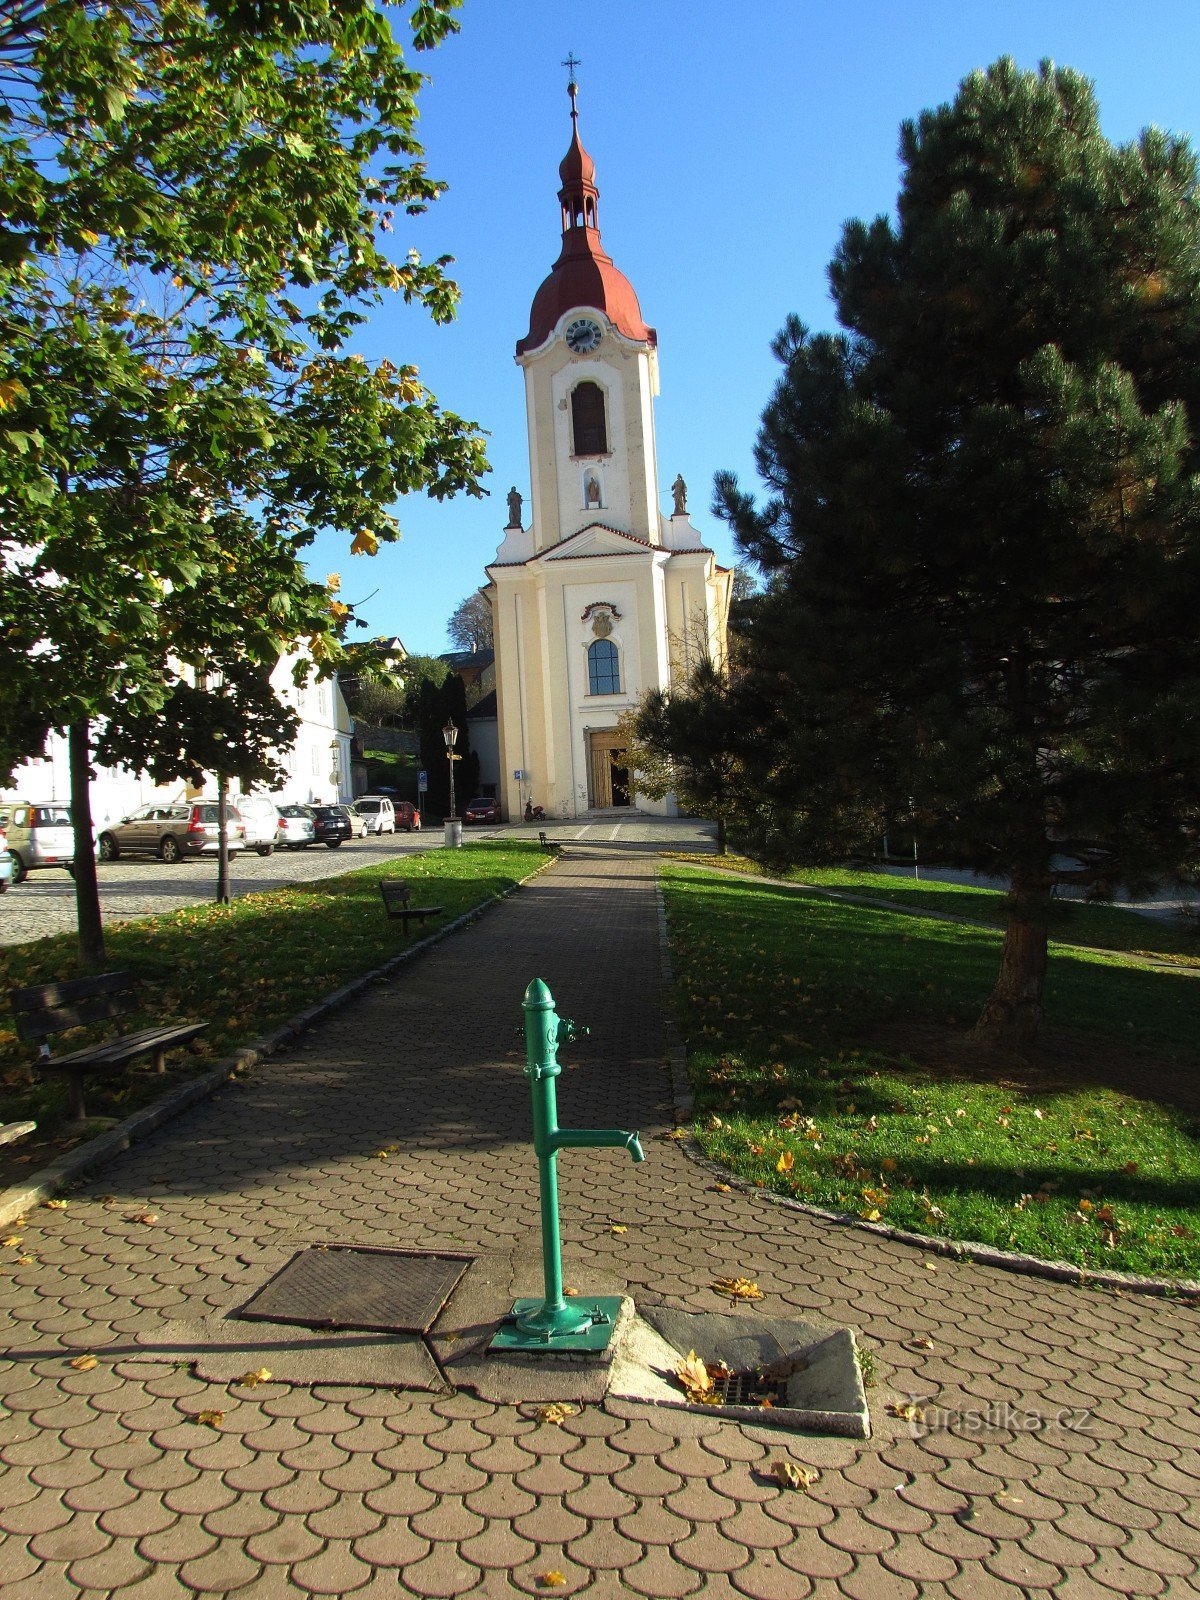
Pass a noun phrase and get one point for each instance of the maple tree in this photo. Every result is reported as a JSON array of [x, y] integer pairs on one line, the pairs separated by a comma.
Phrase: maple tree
[[196, 200]]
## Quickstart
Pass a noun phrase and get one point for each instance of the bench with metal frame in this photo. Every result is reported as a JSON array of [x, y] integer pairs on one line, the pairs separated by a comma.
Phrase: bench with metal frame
[[50, 1008], [551, 845], [397, 902]]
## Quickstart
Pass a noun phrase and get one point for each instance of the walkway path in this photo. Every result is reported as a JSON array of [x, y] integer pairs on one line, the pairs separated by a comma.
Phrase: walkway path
[[111, 1486]]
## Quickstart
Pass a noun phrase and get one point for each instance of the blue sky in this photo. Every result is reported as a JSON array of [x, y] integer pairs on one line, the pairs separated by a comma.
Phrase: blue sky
[[730, 148]]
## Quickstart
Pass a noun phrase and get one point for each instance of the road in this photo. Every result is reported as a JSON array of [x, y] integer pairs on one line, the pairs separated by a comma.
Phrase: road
[[45, 902]]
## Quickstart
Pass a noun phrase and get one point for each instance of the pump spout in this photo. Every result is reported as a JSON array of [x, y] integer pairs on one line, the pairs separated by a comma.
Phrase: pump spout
[[595, 1138]]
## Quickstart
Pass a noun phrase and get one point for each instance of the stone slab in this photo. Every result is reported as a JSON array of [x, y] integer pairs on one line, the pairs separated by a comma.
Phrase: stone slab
[[824, 1395], [222, 1348]]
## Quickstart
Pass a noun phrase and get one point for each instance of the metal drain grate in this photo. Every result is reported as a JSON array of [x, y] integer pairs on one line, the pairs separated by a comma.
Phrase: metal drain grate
[[340, 1286], [750, 1389]]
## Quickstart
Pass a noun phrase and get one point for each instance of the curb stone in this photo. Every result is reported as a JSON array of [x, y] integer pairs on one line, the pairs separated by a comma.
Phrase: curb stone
[[959, 1249], [48, 1180]]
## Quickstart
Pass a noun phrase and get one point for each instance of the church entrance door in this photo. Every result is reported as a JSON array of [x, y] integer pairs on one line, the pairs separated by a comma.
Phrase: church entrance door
[[608, 772]]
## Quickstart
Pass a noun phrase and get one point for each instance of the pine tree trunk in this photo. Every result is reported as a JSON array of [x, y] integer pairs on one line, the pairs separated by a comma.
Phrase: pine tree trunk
[[87, 887], [722, 843], [1013, 1012]]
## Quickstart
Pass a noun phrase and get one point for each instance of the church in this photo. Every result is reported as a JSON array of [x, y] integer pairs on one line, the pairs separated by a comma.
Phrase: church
[[597, 595]]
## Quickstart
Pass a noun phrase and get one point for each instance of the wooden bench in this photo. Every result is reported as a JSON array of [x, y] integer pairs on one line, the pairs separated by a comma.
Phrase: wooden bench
[[50, 1008], [397, 902]]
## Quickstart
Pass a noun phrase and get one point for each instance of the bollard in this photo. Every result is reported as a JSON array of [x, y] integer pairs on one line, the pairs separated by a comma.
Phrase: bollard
[[554, 1322]]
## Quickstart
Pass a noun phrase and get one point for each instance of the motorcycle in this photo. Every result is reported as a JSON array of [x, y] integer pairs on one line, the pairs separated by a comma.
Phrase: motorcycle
[[533, 813]]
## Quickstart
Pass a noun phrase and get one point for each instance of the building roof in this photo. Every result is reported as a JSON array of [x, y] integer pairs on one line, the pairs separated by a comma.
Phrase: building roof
[[583, 275], [484, 710]]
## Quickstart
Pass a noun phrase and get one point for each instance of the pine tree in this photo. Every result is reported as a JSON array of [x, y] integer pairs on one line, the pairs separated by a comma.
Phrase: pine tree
[[983, 528]]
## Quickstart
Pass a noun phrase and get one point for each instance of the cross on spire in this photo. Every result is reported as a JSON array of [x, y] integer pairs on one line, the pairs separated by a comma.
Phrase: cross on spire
[[571, 63]]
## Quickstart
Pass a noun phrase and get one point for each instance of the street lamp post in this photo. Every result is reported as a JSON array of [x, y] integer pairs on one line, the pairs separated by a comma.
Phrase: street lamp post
[[453, 825]]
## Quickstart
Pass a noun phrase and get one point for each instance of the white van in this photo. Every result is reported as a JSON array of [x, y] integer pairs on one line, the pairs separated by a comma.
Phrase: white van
[[260, 813], [378, 812]]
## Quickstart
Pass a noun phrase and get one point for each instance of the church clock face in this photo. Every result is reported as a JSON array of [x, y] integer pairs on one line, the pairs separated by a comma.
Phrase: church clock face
[[582, 335]]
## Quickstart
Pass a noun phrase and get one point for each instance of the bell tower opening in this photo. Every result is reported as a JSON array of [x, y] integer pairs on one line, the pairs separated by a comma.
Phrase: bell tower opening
[[589, 430]]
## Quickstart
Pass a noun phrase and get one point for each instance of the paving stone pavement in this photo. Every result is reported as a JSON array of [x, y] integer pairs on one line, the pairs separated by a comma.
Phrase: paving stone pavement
[[110, 1485]]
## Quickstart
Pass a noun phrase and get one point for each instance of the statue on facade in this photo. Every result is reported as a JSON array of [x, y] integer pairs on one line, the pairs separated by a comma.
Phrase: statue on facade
[[679, 490], [514, 508]]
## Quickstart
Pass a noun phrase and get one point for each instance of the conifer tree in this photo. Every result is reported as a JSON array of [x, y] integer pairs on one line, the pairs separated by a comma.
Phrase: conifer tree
[[982, 528]]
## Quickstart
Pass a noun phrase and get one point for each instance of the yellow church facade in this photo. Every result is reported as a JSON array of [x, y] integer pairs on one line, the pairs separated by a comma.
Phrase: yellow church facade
[[599, 595]]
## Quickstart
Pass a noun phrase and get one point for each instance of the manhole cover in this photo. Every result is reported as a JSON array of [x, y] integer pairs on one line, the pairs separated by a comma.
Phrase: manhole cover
[[390, 1291]]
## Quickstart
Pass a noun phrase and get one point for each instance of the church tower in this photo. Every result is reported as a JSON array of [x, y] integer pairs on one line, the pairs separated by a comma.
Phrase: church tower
[[599, 596]]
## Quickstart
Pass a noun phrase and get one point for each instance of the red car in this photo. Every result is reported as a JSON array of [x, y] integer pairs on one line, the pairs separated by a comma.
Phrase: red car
[[407, 816], [482, 810]]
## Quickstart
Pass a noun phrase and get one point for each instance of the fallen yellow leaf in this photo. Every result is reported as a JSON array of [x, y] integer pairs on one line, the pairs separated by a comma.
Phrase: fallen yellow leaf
[[786, 1162], [209, 1419], [552, 1579], [55, 1205], [83, 1363], [791, 1476], [617, 1227], [908, 1409], [557, 1413], [723, 1188], [250, 1380], [694, 1376], [737, 1288], [13, 1239]]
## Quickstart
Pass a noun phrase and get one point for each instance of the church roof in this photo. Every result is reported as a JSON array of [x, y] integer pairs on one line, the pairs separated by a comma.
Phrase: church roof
[[583, 275]]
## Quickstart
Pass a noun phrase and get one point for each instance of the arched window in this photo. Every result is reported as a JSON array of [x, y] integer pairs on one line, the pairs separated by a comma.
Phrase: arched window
[[604, 668], [587, 420]]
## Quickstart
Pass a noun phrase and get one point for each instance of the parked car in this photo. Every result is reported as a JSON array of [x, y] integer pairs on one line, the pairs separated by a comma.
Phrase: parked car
[[407, 816], [331, 824], [378, 812], [40, 835], [295, 829], [485, 809], [260, 813], [358, 824], [6, 861], [171, 832]]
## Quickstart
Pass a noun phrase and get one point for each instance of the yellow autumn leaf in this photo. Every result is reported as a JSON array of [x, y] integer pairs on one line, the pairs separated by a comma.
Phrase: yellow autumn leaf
[[908, 1409], [552, 1579], [13, 1239], [737, 1288], [557, 1413], [148, 1217], [791, 1476], [251, 1380], [723, 1188], [693, 1375], [365, 543], [333, 581], [26, 1261], [786, 1162], [11, 389], [617, 1227], [338, 610], [209, 1419], [55, 1205], [83, 1363]]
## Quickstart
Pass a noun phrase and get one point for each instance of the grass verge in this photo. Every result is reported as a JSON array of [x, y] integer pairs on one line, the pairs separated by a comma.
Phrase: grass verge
[[247, 966], [1096, 927], [827, 1046]]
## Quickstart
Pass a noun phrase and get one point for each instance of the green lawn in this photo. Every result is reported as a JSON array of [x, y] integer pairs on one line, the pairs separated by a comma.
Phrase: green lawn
[[248, 966], [1100, 927], [786, 999]]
